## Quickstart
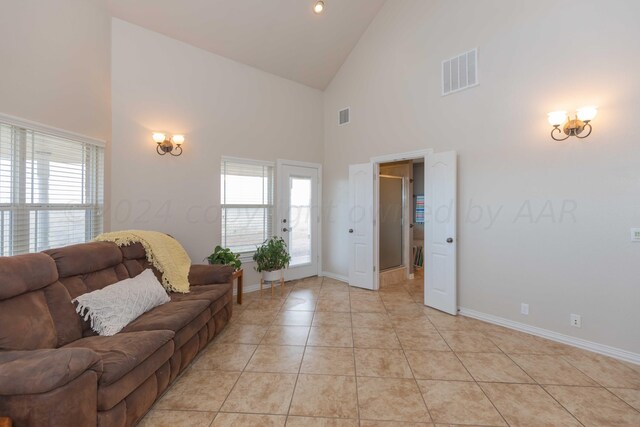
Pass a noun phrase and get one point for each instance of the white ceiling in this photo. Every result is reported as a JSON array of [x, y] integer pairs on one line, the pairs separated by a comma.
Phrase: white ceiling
[[283, 37]]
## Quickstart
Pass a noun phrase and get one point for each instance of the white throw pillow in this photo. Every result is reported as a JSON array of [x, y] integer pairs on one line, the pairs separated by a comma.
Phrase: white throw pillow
[[115, 306]]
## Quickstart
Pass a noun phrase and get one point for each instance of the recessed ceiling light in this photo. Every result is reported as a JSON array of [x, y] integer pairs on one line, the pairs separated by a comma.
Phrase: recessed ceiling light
[[318, 8]]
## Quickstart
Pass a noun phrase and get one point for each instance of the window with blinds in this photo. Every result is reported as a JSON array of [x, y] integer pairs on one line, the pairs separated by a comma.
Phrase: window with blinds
[[247, 204], [51, 190]]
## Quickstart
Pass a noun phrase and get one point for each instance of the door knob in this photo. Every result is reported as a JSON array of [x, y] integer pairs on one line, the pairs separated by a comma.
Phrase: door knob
[[286, 229], [351, 230], [449, 240]]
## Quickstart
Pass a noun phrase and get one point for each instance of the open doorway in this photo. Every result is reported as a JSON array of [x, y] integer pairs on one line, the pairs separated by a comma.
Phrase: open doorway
[[382, 210], [395, 221]]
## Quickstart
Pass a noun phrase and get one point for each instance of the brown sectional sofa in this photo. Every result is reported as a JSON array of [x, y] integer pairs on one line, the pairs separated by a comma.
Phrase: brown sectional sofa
[[55, 371]]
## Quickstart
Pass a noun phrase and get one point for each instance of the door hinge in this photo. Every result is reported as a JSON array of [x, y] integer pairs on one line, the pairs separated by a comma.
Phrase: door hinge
[[374, 268]]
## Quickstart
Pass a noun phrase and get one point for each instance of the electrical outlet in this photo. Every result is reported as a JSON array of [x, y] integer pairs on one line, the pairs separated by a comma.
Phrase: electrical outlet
[[524, 309], [576, 320], [635, 234]]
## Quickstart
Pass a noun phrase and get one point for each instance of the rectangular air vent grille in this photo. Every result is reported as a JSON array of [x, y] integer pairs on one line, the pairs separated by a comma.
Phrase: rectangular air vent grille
[[460, 72], [344, 116]]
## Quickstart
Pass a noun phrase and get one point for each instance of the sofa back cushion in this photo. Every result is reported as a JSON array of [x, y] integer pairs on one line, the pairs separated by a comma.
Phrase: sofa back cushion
[[88, 267], [26, 322], [24, 273], [135, 260]]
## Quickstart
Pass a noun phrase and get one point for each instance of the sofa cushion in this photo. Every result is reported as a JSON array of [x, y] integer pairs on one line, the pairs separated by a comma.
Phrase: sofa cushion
[[40, 371], [85, 258], [67, 322], [121, 353], [209, 293], [155, 366], [115, 306], [24, 273], [219, 296], [184, 318], [26, 323], [201, 274]]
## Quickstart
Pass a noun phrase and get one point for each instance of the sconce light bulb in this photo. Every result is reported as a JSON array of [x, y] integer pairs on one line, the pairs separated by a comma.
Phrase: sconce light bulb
[[318, 8], [557, 118], [586, 114], [178, 139], [159, 137]]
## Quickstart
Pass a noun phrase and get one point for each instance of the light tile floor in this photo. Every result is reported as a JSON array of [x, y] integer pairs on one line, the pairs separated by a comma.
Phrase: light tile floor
[[325, 355]]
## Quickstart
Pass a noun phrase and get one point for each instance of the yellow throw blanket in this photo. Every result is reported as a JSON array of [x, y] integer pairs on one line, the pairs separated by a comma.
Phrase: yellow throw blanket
[[163, 252]]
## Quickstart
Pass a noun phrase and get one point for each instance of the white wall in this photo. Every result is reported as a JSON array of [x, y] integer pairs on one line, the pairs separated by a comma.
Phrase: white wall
[[535, 57], [55, 64], [223, 108]]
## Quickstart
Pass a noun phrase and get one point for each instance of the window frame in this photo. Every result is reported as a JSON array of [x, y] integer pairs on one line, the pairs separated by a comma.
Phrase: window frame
[[21, 209], [246, 256]]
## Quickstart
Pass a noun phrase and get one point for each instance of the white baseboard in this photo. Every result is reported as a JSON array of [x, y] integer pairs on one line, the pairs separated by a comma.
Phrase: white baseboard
[[606, 350], [335, 276]]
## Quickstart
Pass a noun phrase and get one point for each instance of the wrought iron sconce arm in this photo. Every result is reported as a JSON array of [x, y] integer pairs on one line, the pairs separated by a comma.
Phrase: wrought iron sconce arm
[[578, 126], [166, 145], [162, 150], [557, 128]]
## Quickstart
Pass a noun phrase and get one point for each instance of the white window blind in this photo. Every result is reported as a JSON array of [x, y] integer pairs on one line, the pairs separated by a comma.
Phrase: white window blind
[[247, 204], [51, 190]]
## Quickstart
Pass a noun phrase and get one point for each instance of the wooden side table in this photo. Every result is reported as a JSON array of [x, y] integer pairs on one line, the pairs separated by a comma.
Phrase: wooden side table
[[5, 422], [237, 275]]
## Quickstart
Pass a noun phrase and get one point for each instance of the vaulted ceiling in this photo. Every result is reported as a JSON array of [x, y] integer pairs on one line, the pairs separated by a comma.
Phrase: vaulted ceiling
[[283, 37]]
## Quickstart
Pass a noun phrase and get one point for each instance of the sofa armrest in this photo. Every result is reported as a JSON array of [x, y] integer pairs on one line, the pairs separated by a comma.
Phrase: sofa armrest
[[201, 274], [40, 371]]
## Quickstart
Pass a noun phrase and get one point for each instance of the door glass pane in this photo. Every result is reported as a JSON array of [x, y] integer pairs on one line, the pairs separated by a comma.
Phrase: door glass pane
[[300, 220]]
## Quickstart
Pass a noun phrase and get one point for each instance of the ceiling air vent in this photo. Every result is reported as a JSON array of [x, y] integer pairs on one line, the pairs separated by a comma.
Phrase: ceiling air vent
[[344, 116], [460, 72]]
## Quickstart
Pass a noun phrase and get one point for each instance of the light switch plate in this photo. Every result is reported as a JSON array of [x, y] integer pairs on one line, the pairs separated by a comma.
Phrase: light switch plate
[[635, 234]]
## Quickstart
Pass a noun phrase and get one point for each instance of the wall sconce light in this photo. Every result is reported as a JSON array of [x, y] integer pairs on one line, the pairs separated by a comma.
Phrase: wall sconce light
[[572, 127], [166, 145], [318, 8]]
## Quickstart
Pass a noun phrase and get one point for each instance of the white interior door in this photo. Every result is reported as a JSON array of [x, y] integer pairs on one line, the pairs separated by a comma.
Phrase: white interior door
[[360, 230], [440, 231], [299, 218]]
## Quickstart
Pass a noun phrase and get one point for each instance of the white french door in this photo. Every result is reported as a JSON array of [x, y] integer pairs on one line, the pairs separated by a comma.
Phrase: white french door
[[299, 216], [440, 232], [360, 230]]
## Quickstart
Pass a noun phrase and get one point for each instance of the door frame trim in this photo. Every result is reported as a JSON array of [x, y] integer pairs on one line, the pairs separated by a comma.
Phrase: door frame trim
[[375, 163], [283, 162]]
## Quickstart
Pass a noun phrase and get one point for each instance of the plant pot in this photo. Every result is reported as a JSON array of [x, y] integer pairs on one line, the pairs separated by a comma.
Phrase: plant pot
[[272, 276]]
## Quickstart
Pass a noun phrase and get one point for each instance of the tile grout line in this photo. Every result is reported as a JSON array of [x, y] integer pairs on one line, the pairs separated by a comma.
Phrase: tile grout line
[[472, 377], [545, 390], [355, 367], [413, 375], [241, 372], [295, 385], [566, 359]]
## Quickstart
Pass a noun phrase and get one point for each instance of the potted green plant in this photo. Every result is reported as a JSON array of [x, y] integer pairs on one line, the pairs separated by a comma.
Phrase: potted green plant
[[225, 256], [271, 258]]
